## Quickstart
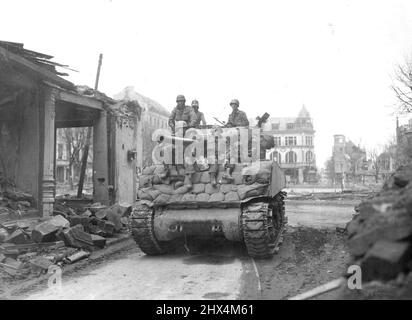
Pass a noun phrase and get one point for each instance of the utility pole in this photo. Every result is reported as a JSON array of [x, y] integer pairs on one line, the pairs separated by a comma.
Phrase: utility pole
[[88, 137]]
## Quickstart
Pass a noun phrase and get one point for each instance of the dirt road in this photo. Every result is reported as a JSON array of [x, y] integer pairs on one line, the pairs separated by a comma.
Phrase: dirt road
[[308, 257]]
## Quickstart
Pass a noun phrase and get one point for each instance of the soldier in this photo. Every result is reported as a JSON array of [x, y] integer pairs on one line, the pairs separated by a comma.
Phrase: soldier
[[182, 113], [200, 118], [237, 118]]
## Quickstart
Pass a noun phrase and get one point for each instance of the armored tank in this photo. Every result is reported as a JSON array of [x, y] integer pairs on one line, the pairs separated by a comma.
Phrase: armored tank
[[247, 206]]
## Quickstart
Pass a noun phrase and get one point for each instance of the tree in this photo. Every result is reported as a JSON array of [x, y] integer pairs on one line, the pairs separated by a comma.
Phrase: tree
[[374, 157], [403, 86], [75, 140]]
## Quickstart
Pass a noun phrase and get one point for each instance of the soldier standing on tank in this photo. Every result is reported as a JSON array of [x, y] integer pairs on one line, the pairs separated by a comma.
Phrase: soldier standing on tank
[[237, 118], [183, 113], [200, 118]]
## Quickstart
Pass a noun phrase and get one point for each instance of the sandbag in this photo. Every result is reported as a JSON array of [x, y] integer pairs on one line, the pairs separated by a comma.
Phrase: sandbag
[[263, 176], [205, 177], [143, 195], [225, 188], [253, 190], [198, 188], [182, 190], [176, 198], [238, 178], [217, 197], [162, 199], [165, 189], [202, 197], [179, 184], [148, 170], [232, 196], [153, 193], [173, 171], [196, 177], [145, 181], [209, 189], [157, 180], [189, 197]]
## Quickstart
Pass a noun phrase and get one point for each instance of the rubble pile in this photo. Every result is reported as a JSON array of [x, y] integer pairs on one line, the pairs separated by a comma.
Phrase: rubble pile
[[165, 185], [31, 246], [380, 234], [14, 204]]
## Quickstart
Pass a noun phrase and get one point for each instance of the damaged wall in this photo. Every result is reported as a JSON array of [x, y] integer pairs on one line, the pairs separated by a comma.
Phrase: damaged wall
[[19, 141]]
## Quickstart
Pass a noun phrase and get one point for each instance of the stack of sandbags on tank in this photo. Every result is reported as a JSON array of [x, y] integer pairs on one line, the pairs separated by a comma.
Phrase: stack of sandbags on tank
[[163, 185]]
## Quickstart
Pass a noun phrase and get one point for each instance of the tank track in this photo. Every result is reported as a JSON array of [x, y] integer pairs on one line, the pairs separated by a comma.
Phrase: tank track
[[261, 234], [142, 230]]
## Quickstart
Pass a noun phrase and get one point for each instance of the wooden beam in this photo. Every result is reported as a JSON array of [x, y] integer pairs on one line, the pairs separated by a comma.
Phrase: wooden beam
[[80, 100], [44, 72]]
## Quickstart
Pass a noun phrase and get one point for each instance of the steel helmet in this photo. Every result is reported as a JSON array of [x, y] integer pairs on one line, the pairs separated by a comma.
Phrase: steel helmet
[[180, 97], [195, 103], [235, 101]]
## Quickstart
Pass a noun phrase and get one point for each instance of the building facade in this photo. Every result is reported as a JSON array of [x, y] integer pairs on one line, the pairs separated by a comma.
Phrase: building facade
[[154, 116], [294, 147]]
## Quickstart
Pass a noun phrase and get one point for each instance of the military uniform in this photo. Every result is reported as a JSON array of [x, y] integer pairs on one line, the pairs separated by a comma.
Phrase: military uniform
[[186, 114], [200, 118], [237, 119]]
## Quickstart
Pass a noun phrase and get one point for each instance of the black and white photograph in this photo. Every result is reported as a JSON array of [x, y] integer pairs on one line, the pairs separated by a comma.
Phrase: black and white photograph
[[205, 155]]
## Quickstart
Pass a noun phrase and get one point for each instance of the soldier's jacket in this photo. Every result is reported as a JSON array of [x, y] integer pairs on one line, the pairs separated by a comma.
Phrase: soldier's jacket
[[200, 118], [237, 119], [186, 114]]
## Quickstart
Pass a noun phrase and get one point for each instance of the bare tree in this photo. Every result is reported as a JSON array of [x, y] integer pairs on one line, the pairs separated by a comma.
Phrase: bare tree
[[403, 86], [374, 157], [75, 140], [330, 170]]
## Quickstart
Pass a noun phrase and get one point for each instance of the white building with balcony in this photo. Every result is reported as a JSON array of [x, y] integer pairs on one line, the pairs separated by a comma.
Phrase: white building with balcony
[[294, 150]]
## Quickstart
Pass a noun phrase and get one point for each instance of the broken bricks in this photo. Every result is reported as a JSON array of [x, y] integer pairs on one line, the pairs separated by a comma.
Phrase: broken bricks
[[44, 232], [76, 237], [17, 237], [385, 260], [98, 241]]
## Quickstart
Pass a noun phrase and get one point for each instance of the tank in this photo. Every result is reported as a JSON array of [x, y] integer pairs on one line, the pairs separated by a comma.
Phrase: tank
[[246, 205]]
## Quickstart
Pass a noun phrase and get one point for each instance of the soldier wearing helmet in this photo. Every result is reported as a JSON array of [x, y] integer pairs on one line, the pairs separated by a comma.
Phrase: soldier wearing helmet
[[200, 118], [237, 118], [182, 113]]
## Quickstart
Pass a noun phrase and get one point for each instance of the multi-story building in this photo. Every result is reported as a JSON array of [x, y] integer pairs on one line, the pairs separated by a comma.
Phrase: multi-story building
[[294, 146]]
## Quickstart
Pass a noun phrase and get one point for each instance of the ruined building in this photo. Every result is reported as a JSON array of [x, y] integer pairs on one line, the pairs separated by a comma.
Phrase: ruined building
[[154, 116], [294, 150], [35, 100]]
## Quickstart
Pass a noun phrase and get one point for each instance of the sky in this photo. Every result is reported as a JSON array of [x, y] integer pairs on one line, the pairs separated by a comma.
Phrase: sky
[[336, 57]]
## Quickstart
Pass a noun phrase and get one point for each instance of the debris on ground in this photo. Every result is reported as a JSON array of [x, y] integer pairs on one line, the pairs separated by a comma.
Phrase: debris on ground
[[380, 236], [30, 244]]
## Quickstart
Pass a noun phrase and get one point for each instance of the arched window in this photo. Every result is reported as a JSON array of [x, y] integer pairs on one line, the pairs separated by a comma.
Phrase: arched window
[[275, 156], [291, 157], [309, 156]]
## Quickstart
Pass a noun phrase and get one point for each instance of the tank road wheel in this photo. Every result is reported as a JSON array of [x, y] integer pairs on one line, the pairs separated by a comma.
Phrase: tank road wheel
[[262, 226], [142, 230]]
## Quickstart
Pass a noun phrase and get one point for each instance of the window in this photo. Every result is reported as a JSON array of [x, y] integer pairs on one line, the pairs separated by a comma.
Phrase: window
[[275, 156], [309, 141], [60, 151], [309, 157], [278, 141], [290, 126], [275, 126], [290, 141], [291, 157]]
